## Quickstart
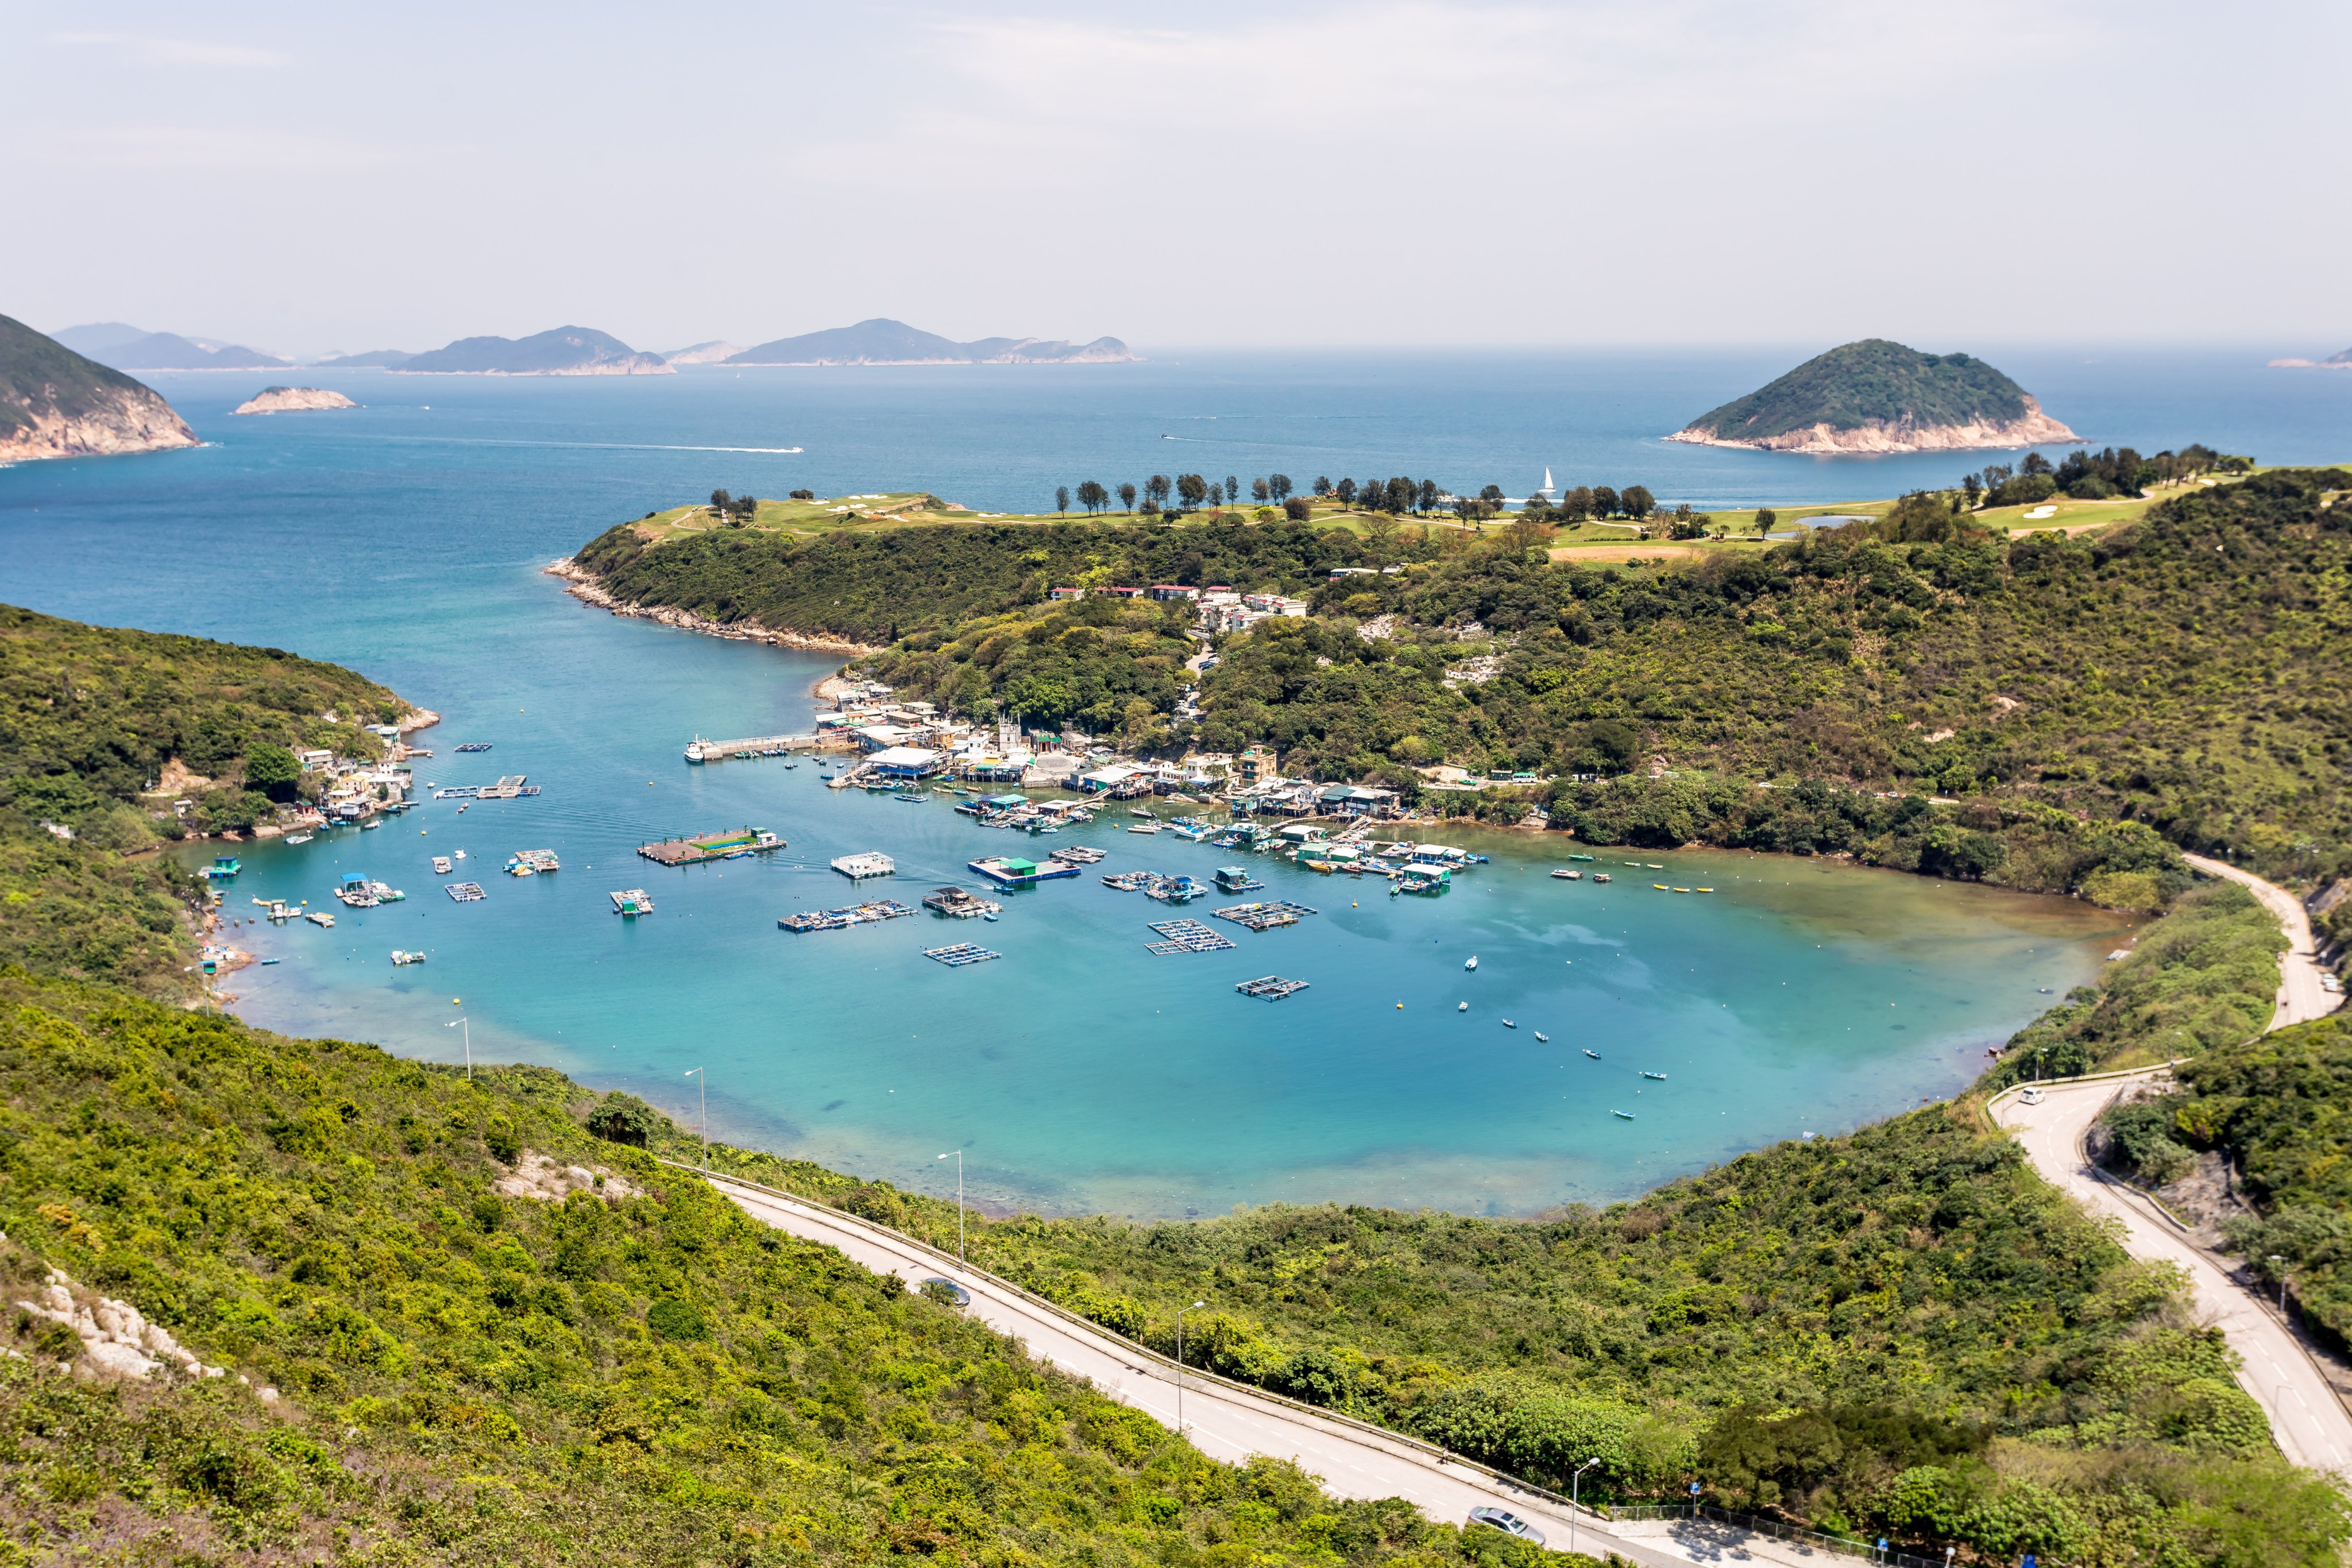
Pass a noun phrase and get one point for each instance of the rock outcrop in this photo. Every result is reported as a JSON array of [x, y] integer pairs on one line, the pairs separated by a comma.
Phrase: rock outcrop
[[1822, 439], [115, 1339], [54, 403], [292, 400]]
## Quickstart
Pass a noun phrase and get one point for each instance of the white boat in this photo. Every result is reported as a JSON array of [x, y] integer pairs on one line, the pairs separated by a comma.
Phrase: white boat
[[441, 865], [1544, 1038], [1472, 964], [694, 750], [297, 838], [404, 958], [1462, 1006], [1508, 1025]]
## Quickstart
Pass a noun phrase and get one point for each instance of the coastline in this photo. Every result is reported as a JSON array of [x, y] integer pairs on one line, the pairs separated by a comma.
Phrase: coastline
[[584, 587], [1877, 437]]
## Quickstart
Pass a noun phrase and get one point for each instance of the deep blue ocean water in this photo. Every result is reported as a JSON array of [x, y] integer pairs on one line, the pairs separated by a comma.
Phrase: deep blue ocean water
[[405, 539]]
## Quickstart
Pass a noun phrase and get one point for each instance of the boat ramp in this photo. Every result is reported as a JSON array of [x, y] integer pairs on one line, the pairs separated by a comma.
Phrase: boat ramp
[[846, 916], [702, 847]]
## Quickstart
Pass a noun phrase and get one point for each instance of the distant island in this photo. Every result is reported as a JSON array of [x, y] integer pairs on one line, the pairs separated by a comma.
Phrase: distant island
[[126, 347], [885, 341], [54, 403], [292, 400], [711, 352], [375, 359], [2332, 361], [1880, 396], [566, 350]]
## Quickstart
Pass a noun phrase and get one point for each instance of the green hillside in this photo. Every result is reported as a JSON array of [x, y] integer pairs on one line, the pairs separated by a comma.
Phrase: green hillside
[[41, 378], [1872, 381]]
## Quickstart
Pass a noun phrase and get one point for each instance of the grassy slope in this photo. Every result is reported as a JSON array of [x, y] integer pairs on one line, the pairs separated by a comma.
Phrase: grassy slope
[[37, 372], [473, 1378], [1872, 380]]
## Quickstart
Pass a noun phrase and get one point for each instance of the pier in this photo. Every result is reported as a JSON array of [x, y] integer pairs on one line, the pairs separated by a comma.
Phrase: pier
[[701, 751], [707, 846], [1271, 987], [510, 788]]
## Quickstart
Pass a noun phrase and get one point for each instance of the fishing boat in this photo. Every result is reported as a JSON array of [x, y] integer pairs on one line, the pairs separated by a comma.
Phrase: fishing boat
[[1472, 964], [1622, 1115], [1659, 1076], [1580, 856], [1542, 1036], [1508, 1025], [1567, 876], [1601, 875], [1594, 1055], [440, 865]]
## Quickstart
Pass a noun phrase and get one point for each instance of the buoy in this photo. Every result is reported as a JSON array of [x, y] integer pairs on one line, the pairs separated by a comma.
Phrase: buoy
[[1399, 1006]]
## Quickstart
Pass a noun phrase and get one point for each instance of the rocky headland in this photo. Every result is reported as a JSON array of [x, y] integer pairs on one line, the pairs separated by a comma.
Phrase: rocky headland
[[1880, 396], [54, 403], [292, 400], [582, 585]]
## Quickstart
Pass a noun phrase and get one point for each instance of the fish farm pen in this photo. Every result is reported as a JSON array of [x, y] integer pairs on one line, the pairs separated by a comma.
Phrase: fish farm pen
[[850, 915], [1272, 987], [1187, 936], [632, 901], [703, 847], [1078, 855], [959, 955], [505, 789], [464, 892], [958, 904], [1263, 916]]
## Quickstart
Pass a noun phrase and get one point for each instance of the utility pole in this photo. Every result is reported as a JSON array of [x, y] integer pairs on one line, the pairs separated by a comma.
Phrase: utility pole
[[702, 1085], [1180, 1363], [469, 1027], [958, 1160]]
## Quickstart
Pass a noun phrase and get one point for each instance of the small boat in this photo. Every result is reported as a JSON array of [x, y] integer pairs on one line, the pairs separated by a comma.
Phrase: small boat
[[1568, 876], [372, 822], [1601, 875], [1544, 1038], [440, 865], [1702, 890], [297, 838], [1508, 1025], [1622, 1115], [1652, 866], [1580, 856], [1662, 887], [1462, 1006], [1594, 1055], [267, 960], [1143, 827], [461, 854], [1472, 964], [1658, 1076], [400, 957], [988, 915]]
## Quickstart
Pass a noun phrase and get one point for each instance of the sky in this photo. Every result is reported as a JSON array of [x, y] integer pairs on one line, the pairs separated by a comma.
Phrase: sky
[[304, 178]]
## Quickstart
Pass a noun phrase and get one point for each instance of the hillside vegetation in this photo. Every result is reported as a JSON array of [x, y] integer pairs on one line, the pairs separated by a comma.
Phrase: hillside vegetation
[[89, 717], [1872, 381], [54, 403]]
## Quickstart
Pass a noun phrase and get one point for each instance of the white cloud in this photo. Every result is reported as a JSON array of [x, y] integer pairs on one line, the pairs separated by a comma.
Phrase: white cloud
[[147, 49]]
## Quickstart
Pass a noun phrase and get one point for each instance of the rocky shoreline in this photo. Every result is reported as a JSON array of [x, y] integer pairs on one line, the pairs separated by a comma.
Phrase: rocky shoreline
[[1884, 435], [582, 585]]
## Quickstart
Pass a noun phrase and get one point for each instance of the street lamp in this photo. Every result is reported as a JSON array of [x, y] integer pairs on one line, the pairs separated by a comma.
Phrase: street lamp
[[702, 1129], [2276, 1260], [1572, 1504], [1180, 1363], [958, 1160], [463, 1023]]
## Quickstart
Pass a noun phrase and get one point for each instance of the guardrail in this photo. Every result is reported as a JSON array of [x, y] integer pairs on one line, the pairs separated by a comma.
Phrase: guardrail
[[1985, 1108], [1170, 1368], [1846, 1545]]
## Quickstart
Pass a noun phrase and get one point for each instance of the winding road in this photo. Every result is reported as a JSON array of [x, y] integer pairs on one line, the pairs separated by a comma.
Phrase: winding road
[[2310, 1422]]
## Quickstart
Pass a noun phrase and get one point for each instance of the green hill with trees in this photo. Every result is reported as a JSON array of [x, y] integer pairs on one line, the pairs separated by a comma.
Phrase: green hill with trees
[[56, 403]]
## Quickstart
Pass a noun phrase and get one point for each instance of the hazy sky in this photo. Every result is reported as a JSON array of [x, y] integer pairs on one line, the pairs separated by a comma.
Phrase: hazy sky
[[304, 177]]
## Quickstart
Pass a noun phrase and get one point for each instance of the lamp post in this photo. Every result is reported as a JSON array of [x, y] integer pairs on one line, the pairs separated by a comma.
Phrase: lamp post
[[702, 1128], [958, 1160], [2276, 1260], [1180, 1363], [1573, 1482], [468, 1028]]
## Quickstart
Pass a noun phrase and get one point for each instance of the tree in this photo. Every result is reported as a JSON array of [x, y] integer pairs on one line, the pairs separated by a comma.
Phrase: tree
[[1345, 489], [1092, 496], [1232, 489], [1127, 497], [1322, 485], [1298, 508], [803, 495], [1192, 488], [1426, 498], [1062, 499], [1604, 501], [1765, 520], [1155, 489], [2033, 463], [1637, 501], [720, 501], [1399, 496], [624, 1118], [1493, 496], [272, 770], [1260, 491]]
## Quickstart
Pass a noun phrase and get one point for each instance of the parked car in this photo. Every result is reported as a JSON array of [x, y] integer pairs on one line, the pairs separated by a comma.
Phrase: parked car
[[1507, 1522]]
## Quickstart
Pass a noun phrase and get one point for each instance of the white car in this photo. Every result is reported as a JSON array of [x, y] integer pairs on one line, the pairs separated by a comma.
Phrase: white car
[[2031, 1097], [1508, 1523]]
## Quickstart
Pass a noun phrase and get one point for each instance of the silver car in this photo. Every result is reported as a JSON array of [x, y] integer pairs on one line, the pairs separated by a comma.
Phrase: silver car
[[1507, 1522]]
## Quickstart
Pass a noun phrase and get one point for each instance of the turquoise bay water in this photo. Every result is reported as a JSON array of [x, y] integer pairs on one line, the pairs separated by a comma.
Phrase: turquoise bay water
[[1080, 1072]]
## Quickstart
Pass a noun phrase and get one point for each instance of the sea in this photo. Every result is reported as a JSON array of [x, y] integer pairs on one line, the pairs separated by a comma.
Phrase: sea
[[1077, 1071]]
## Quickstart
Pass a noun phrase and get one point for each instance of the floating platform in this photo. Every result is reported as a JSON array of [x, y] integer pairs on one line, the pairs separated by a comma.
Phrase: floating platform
[[959, 955], [510, 788], [1078, 855], [957, 904], [1187, 936], [474, 746], [464, 892], [701, 751], [402, 959], [849, 915], [532, 862], [1012, 871], [321, 919], [1263, 916], [1272, 987], [857, 868], [632, 901], [1238, 879], [707, 846]]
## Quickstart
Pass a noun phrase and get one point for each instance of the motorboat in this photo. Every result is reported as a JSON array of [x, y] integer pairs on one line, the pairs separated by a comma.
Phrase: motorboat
[[1658, 1076], [1472, 964], [1622, 1115], [1508, 1025], [1544, 1038], [1565, 875], [1593, 1054], [1462, 1006]]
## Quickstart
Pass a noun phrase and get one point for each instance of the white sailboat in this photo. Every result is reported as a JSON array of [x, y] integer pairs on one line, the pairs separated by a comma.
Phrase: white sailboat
[[1547, 484]]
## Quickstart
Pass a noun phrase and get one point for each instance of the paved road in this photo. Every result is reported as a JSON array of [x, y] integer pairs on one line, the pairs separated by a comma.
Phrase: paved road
[[2300, 997], [1224, 1422], [2308, 1420]]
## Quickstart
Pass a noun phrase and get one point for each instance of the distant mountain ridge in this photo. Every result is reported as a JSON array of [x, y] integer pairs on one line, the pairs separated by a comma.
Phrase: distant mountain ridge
[[127, 347], [2332, 361], [374, 359], [882, 341], [54, 403], [564, 350], [1875, 396]]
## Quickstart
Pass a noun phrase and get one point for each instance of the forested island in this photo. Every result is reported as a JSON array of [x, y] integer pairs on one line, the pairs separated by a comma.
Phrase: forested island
[[434, 1342], [1880, 396], [563, 351]]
